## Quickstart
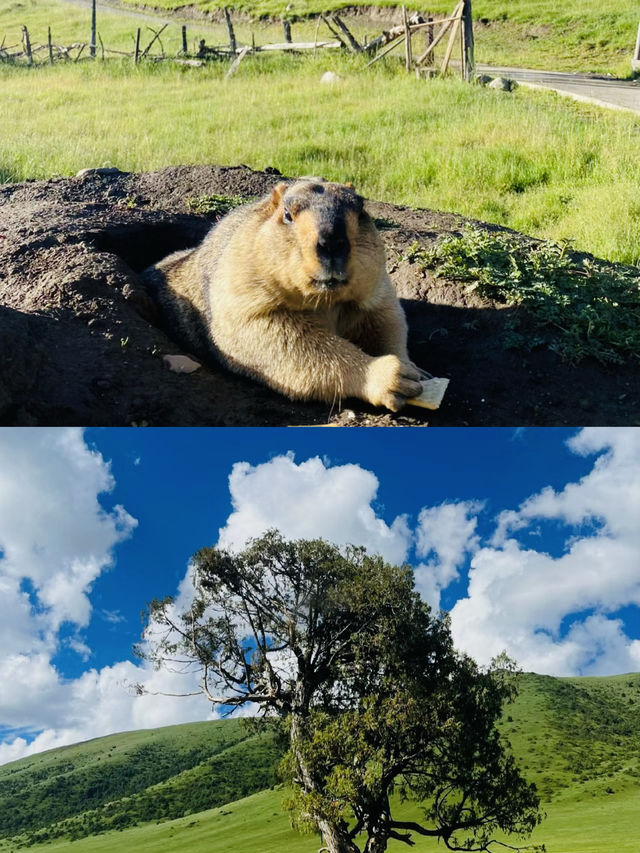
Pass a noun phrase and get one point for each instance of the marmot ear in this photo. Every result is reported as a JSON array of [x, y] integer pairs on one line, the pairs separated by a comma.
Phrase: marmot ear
[[276, 195]]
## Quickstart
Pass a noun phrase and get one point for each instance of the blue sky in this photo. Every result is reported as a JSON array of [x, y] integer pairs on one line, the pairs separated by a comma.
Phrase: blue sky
[[528, 537], [174, 482]]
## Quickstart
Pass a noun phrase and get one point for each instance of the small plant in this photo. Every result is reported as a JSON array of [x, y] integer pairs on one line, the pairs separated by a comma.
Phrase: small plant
[[578, 306], [214, 205]]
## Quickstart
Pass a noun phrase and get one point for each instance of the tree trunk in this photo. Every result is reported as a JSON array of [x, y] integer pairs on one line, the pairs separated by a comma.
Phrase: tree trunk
[[376, 844], [335, 838]]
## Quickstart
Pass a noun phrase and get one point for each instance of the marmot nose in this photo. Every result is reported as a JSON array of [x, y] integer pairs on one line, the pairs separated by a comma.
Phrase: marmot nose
[[332, 246]]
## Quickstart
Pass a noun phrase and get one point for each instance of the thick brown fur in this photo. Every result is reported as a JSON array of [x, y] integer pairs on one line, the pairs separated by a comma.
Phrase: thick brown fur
[[293, 291]]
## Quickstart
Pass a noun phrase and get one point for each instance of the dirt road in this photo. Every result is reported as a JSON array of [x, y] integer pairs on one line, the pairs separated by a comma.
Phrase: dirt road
[[604, 91]]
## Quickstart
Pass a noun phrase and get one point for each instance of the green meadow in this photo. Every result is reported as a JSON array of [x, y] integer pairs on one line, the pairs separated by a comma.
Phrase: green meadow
[[532, 161], [578, 36], [576, 738], [257, 824]]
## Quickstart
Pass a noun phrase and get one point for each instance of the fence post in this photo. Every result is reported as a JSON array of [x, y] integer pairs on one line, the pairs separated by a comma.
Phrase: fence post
[[92, 48], [286, 26], [27, 45], [429, 40], [136, 53], [232, 35], [49, 45], [468, 63], [408, 59], [635, 62], [184, 39]]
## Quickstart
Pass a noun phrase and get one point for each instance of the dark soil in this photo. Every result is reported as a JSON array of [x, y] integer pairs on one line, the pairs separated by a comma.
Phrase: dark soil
[[81, 343]]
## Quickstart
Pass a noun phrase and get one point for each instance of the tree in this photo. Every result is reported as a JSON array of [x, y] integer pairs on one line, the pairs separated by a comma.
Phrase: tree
[[339, 646]]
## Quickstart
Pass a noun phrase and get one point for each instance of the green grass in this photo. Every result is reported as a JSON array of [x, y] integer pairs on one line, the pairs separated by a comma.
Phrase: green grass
[[543, 165], [257, 824], [576, 738], [578, 36], [579, 307], [138, 776]]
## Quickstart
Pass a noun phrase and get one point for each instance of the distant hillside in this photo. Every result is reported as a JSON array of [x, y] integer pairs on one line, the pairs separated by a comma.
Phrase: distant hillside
[[577, 734], [576, 738], [126, 779]]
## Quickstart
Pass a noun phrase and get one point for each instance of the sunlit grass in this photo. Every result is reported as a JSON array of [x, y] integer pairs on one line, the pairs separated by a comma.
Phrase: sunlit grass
[[580, 36], [529, 160], [583, 36]]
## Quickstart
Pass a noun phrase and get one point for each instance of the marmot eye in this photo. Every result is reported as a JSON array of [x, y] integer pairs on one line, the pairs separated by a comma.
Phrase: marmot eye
[[286, 217]]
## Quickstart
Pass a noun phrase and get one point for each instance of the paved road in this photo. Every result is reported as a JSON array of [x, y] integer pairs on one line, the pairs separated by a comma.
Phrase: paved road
[[606, 91]]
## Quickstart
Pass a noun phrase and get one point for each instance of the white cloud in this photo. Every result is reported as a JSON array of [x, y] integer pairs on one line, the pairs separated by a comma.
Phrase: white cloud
[[309, 500], [56, 539], [98, 703], [519, 599], [302, 500], [445, 535], [53, 531]]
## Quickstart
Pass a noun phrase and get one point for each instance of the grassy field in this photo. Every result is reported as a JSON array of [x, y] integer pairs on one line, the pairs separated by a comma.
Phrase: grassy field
[[582, 36], [532, 161], [578, 36], [257, 824], [576, 738]]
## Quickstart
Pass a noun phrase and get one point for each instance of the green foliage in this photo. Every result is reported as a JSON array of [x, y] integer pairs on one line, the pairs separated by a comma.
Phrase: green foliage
[[214, 205], [576, 306], [131, 779], [555, 723]]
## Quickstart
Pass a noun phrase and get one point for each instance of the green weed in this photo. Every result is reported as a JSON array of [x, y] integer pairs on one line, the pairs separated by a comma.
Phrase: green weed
[[214, 205], [578, 306]]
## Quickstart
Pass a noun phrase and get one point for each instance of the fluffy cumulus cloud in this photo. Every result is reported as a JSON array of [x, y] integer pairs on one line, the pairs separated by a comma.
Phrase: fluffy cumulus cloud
[[445, 535], [308, 500], [55, 540], [48, 566], [55, 537], [556, 613], [98, 703]]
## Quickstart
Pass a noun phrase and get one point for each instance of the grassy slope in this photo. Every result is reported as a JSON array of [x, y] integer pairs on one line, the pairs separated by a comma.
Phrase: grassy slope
[[532, 161], [148, 774], [577, 36], [258, 825], [576, 738]]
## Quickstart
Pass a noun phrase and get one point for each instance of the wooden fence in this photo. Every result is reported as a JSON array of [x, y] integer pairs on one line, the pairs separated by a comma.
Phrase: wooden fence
[[458, 26]]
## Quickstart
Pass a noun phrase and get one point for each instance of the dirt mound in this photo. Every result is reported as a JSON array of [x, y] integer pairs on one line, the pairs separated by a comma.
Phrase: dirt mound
[[81, 343]]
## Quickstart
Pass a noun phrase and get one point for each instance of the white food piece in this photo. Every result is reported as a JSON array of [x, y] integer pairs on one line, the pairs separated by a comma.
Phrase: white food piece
[[181, 363], [431, 395]]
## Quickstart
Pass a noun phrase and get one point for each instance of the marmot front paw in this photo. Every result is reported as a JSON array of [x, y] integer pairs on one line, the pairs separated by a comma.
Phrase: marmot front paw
[[390, 382]]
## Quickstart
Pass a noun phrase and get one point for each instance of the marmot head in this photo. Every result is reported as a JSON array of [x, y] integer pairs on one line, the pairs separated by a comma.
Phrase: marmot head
[[322, 224]]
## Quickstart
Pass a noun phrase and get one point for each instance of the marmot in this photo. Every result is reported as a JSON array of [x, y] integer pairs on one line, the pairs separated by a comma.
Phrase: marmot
[[293, 290]]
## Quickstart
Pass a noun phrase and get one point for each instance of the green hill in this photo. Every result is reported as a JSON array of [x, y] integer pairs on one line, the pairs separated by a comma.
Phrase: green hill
[[126, 779], [576, 738]]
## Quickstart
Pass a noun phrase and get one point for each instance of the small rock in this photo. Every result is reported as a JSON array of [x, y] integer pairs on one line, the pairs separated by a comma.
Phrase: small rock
[[503, 83], [330, 77], [181, 363], [102, 170], [483, 79]]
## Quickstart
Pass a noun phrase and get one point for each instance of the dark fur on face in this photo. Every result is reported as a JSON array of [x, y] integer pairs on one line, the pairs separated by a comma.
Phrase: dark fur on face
[[325, 215]]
